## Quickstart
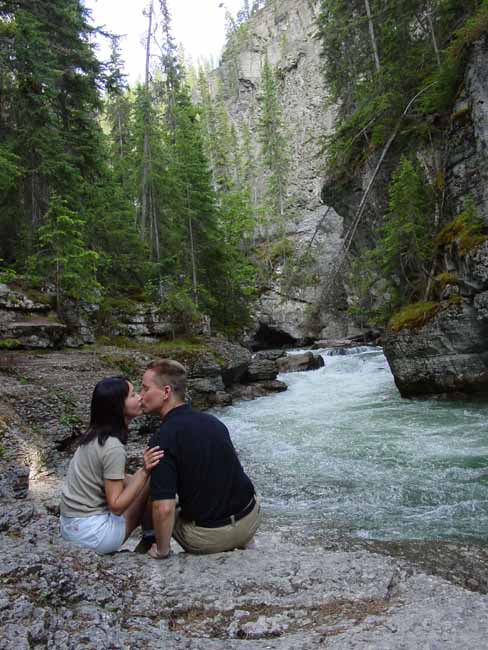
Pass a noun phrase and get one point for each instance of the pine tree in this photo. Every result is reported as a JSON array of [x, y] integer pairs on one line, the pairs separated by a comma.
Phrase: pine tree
[[274, 149], [63, 257], [50, 82], [118, 114]]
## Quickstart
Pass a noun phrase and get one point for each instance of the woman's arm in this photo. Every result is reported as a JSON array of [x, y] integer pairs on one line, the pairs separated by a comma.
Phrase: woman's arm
[[119, 497]]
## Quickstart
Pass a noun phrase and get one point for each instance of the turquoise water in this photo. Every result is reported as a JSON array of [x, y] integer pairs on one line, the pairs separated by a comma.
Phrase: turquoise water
[[341, 452]]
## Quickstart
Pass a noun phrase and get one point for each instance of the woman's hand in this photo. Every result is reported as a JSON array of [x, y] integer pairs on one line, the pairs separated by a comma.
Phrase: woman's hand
[[152, 456]]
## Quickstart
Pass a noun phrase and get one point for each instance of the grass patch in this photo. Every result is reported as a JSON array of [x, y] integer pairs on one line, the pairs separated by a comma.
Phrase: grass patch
[[179, 345], [10, 344], [116, 353], [445, 279], [414, 316], [455, 300], [125, 364]]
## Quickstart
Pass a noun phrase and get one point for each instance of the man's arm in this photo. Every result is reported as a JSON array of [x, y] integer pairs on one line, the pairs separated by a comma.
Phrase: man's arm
[[163, 512]]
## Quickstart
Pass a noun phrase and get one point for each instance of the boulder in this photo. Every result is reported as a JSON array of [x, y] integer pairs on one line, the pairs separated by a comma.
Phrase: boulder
[[204, 365], [248, 392], [447, 356], [14, 468], [260, 370], [233, 359], [208, 391], [300, 362], [273, 355]]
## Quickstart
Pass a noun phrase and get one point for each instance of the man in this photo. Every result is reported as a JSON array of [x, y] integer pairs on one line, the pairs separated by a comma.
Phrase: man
[[217, 508]]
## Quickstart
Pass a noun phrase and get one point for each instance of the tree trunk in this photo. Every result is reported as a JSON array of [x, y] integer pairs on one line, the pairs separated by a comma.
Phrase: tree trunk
[[192, 252], [143, 223], [430, 11], [372, 35]]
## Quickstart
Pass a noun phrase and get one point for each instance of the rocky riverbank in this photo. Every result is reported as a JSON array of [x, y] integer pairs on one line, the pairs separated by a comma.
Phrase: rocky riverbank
[[280, 595], [288, 593]]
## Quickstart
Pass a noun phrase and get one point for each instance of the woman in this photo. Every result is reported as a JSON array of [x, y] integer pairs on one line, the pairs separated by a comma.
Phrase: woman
[[100, 504]]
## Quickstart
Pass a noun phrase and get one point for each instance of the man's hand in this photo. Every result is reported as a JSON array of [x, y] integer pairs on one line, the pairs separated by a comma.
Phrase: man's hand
[[156, 555]]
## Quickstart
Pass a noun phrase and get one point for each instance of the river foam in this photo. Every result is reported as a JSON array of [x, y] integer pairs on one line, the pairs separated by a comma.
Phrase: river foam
[[341, 452]]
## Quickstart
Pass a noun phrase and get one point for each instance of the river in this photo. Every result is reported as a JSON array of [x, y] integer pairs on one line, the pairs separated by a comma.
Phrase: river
[[340, 454]]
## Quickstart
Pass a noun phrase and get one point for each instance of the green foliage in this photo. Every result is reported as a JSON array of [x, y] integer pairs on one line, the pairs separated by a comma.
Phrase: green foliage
[[406, 245], [410, 59], [9, 169], [274, 149], [402, 260], [7, 274], [180, 306], [406, 54], [230, 163], [133, 211], [50, 94], [448, 77], [10, 344], [62, 256], [406, 280], [280, 249]]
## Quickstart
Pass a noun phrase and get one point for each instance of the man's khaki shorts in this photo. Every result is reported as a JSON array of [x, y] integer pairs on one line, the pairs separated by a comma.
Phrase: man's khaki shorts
[[195, 539]]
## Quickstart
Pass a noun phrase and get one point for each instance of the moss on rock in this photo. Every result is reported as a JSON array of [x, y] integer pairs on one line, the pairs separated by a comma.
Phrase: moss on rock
[[414, 316], [465, 232]]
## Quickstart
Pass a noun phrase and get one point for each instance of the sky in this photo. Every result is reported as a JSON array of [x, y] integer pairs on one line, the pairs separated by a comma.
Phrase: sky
[[197, 24]]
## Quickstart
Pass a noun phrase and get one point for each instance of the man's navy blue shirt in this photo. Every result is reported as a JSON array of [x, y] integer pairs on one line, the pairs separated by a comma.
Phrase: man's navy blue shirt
[[200, 465]]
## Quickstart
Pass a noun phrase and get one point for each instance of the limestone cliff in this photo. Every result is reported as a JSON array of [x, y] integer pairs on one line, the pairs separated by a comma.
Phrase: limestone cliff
[[283, 32], [443, 357]]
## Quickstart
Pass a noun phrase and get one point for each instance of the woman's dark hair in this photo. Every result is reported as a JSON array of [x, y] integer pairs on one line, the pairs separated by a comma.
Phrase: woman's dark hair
[[107, 411]]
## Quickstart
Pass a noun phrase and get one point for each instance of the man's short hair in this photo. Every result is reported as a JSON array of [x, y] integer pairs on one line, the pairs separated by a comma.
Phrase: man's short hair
[[170, 373]]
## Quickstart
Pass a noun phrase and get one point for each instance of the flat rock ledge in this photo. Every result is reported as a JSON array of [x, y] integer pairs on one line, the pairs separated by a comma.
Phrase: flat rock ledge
[[278, 596]]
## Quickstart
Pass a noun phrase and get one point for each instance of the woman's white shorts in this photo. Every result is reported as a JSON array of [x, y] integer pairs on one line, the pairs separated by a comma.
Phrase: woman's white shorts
[[103, 533]]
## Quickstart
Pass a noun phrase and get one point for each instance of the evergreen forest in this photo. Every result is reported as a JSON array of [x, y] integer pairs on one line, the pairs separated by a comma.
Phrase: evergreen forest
[[107, 191], [111, 192]]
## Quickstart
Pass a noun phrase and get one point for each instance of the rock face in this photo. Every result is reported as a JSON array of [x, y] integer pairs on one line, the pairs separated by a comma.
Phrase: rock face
[[449, 355], [30, 324], [283, 33], [467, 168], [26, 323]]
